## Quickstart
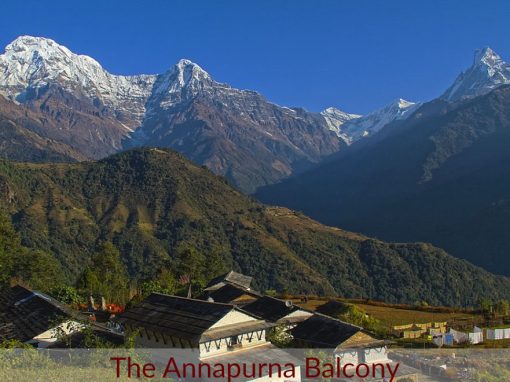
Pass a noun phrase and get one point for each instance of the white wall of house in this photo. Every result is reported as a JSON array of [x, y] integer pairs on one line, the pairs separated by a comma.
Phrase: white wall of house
[[223, 345], [149, 339], [298, 314], [368, 356], [348, 356], [376, 355], [52, 335], [231, 318]]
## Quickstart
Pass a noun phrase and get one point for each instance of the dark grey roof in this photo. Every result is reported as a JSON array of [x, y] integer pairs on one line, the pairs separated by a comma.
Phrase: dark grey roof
[[228, 293], [270, 308], [176, 316], [25, 314], [230, 278], [324, 332], [332, 307]]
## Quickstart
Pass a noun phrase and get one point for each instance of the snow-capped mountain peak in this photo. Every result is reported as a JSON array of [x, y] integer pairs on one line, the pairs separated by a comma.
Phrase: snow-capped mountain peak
[[403, 104], [363, 126], [487, 72], [33, 61], [183, 75], [188, 70], [30, 64], [487, 56], [335, 118]]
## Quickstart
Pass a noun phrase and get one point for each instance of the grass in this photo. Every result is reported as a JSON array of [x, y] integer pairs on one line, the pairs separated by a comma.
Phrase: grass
[[494, 344], [389, 316], [63, 374], [392, 316]]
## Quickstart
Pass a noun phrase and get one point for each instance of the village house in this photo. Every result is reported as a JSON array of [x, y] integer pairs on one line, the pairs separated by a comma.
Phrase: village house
[[437, 328], [164, 321], [333, 308], [34, 318], [231, 278], [497, 334], [230, 288], [216, 333], [417, 330], [350, 343], [413, 332], [231, 294], [277, 311]]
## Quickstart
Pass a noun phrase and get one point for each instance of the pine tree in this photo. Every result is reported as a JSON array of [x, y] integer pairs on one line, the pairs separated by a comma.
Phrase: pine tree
[[106, 275]]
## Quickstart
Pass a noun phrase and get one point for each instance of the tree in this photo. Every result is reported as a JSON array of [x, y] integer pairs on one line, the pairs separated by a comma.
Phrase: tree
[[486, 305], [9, 239], [154, 286], [279, 336], [106, 275], [36, 268], [502, 307], [190, 262], [10, 247], [66, 294], [191, 266], [39, 270]]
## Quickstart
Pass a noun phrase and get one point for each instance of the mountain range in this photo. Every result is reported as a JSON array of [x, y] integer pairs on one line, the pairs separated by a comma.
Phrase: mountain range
[[70, 105], [439, 176], [410, 171], [151, 203]]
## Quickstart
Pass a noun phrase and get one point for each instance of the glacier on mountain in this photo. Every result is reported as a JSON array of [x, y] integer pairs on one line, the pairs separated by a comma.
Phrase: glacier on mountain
[[352, 127]]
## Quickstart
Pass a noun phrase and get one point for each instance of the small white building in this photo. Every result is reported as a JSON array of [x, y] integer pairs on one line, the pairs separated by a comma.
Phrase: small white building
[[498, 334]]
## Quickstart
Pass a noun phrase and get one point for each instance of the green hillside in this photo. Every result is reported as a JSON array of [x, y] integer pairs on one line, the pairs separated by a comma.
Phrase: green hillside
[[156, 207], [441, 176]]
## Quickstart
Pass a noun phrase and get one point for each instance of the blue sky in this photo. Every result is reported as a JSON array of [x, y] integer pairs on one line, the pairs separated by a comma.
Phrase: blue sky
[[356, 55]]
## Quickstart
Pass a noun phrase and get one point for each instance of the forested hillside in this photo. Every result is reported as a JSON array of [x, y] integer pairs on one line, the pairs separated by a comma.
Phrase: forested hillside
[[441, 176], [169, 217]]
